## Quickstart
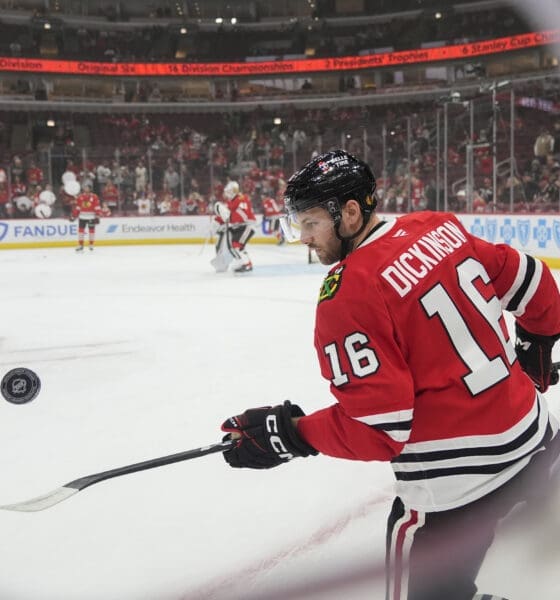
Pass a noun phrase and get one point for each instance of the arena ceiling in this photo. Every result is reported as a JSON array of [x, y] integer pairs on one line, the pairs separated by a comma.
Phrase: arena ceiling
[[196, 8]]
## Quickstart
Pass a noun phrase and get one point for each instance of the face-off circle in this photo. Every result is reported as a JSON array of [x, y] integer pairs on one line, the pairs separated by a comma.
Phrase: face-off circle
[[20, 386]]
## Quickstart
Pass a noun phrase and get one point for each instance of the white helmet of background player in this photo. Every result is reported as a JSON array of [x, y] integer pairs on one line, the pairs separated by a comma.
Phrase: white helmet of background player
[[231, 190]]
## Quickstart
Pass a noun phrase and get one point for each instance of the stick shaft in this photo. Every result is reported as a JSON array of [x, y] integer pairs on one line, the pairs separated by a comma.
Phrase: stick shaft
[[69, 489], [88, 480]]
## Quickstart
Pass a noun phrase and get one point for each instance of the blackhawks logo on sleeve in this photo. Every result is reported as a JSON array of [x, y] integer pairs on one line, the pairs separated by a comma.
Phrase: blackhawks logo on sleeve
[[331, 284]]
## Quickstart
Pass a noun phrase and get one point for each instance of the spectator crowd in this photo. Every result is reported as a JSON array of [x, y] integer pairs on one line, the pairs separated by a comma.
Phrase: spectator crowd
[[178, 164]]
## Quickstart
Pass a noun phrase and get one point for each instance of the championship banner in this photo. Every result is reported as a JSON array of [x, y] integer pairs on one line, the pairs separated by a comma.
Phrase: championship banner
[[345, 63]]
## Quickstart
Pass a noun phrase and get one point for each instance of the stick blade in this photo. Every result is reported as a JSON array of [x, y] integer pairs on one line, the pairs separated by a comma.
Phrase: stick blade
[[42, 502]]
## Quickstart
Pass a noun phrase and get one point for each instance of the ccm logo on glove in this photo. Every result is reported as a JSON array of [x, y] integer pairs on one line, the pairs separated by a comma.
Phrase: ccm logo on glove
[[266, 437], [276, 440]]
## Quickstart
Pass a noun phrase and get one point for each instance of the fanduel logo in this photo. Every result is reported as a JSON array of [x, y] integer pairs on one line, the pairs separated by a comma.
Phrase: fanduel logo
[[3, 230]]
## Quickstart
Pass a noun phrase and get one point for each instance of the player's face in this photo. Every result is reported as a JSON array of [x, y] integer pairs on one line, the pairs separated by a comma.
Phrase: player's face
[[317, 232]]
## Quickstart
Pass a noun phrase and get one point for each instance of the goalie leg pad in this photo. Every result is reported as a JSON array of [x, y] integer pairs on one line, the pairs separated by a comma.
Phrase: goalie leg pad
[[225, 253]]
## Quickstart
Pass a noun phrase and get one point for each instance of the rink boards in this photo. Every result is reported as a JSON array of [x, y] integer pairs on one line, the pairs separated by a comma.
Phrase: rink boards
[[538, 234]]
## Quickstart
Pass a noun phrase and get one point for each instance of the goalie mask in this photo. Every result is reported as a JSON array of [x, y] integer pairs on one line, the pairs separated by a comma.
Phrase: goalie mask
[[231, 190], [329, 181]]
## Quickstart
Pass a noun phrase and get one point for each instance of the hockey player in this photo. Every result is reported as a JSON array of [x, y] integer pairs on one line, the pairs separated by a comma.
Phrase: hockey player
[[271, 219], [87, 210], [236, 227], [410, 332]]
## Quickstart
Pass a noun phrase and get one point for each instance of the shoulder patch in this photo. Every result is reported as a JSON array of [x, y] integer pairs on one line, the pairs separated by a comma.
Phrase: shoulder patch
[[331, 284]]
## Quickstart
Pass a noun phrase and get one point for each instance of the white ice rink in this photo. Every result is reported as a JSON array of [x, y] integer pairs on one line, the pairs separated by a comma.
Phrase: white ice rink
[[143, 352]]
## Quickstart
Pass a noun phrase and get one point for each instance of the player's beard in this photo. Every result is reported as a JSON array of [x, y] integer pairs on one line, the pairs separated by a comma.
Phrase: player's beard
[[330, 253]]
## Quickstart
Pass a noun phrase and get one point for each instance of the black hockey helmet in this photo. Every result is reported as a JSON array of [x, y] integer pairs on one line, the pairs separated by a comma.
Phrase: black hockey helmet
[[329, 181]]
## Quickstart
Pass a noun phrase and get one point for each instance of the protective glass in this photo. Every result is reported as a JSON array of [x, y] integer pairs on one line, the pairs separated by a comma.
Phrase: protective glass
[[306, 225]]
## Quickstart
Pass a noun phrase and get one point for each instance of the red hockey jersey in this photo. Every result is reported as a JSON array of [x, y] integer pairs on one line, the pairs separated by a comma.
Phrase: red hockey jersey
[[87, 206], [270, 207], [410, 333], [241, 210]]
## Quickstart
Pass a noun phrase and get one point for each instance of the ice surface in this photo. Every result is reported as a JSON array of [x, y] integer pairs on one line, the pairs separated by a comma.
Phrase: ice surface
[[142, 352]]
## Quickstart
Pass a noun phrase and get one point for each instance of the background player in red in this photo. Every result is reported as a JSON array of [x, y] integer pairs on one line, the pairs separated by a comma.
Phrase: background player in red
[[410, 333], [271, 218], [87, 210]]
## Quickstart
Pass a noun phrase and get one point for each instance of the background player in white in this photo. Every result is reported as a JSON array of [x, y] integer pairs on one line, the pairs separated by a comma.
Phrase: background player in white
[[410, 332]]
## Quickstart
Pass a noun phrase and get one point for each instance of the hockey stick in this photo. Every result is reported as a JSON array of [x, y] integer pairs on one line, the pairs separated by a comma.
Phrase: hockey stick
[[73, 487], [77, 485], [208, 237]]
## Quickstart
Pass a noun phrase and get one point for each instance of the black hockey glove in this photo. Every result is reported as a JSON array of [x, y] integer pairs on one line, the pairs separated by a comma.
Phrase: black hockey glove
[[535, 357], [268, 437]]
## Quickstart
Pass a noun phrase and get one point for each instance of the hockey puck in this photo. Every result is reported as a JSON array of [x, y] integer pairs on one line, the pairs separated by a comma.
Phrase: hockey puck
[[20, 386]]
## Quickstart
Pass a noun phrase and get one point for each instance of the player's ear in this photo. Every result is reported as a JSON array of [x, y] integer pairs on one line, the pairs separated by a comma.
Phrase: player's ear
[[352, 211]]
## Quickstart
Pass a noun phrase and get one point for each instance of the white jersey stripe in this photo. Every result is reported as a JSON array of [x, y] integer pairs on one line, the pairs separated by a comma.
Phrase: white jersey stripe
[[398, 436], [478, 459], [396, 424], [519, 278], [476, 441], [390, 417]]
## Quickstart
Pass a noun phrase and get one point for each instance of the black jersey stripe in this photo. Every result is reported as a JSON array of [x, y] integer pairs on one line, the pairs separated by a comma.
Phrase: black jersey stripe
[[518, 296], [396, 426], [479, 469], [464, 470], [435, 455]]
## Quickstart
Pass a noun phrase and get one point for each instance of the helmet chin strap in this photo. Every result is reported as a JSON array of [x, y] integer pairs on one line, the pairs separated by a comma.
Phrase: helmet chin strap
[[345, 246]]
